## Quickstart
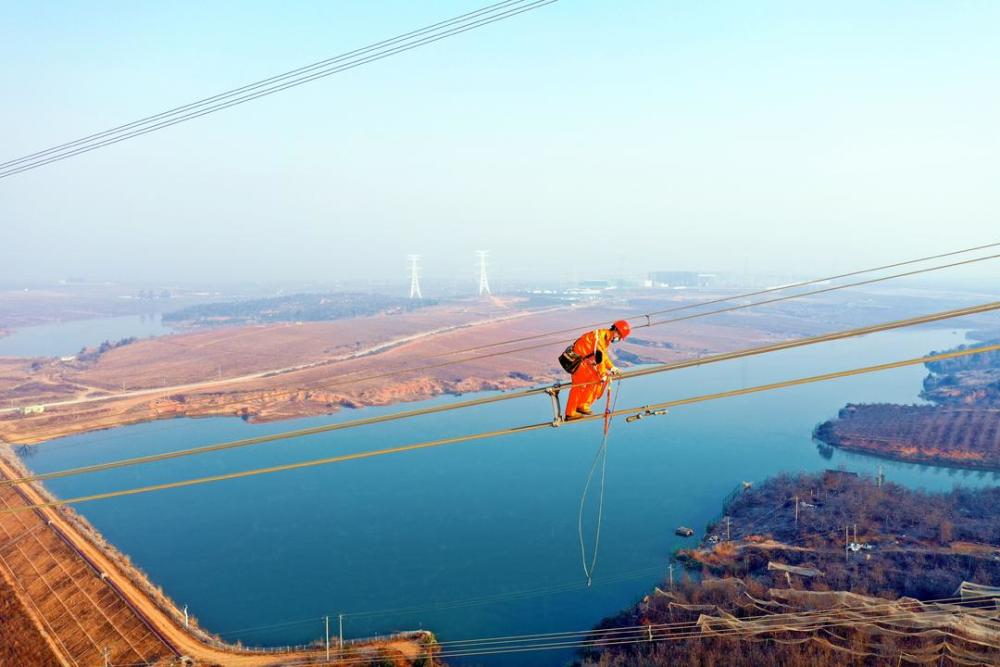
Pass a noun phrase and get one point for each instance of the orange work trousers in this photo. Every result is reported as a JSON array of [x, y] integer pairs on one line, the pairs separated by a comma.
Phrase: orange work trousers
[[589, 392]]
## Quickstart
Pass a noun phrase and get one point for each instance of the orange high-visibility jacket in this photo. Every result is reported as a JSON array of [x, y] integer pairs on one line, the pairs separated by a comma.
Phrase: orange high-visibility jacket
[[595, 341]]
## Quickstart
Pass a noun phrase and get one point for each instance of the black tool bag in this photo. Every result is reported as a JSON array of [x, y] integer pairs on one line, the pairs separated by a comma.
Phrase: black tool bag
[[570, 360]]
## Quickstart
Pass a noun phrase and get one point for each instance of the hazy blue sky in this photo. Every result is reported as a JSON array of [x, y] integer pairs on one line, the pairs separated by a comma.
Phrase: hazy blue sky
[[797, 137]]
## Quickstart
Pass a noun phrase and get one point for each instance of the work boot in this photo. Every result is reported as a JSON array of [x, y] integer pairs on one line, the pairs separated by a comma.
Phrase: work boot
[[585, 409], [573, 416]]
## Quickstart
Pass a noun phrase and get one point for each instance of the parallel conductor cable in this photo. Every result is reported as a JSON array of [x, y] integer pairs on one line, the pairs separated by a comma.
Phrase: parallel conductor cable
[[496, 398], [497, 433]]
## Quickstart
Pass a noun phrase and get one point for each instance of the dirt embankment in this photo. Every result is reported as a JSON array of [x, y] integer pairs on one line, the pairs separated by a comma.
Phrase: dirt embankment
[[263, 373]]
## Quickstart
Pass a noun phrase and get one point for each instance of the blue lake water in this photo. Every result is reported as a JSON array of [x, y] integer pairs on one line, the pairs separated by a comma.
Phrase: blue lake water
[[66, 338], [474, 529]]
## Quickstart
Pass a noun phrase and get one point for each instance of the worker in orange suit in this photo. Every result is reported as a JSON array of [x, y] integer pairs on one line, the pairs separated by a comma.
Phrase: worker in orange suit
[[591, 377]]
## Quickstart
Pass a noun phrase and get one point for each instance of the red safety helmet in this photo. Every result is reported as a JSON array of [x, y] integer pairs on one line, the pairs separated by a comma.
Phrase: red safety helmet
[[623, 328]]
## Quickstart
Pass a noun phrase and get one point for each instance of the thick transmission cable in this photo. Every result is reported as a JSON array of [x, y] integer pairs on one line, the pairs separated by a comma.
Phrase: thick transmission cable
[[348, 380], [496, 433], [709, 302], [138, 131], [807, 622], [683, 625], [642, 635], [496, 398]]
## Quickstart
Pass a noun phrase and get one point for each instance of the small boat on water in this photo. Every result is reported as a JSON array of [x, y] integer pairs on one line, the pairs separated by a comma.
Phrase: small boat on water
[[684, 531]]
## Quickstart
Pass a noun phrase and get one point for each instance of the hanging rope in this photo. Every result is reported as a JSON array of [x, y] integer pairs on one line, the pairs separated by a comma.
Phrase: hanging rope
[[602, 456]]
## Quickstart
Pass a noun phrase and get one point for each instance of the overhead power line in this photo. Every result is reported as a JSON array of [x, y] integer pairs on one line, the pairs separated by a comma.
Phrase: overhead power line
[[650, 323], [500, 432], [296, 77], [981, 608], [887, 611], [778, 622], [462, 603], [349, 380], [735, 297], [496, 398], [353, 379], [681, 624]]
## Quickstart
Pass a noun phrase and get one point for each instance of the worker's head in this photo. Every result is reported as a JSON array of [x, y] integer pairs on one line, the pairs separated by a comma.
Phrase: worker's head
[[620, 330]]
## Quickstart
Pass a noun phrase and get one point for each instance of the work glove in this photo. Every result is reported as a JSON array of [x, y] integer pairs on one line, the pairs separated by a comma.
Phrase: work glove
[[615, 372]]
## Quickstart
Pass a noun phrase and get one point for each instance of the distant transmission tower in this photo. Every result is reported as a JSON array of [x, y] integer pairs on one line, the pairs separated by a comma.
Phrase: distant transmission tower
[[484, 284], [414, 277]]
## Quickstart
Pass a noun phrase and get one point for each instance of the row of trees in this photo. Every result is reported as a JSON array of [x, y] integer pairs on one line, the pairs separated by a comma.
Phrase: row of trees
[[296, 308], [93, 354]]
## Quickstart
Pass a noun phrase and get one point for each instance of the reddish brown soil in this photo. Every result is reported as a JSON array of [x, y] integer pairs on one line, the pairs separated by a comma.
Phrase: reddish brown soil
[[282, 371], [22, 643]]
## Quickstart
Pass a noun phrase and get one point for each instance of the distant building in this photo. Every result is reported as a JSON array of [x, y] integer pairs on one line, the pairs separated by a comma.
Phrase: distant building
[[596, 284], [680, 279], [32, 409]]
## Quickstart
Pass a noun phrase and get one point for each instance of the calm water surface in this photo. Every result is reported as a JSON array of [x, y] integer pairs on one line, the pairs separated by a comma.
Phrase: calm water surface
[[66, 338], [458, 539]]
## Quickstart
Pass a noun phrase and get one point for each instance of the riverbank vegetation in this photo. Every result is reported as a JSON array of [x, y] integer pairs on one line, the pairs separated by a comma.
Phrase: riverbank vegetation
[[838, 547], [295, 308]]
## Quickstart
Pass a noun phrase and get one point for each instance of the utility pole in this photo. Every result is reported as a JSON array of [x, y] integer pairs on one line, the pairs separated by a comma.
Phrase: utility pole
[[326, 621], [340, 619], [847, 540], [728, 536], [796, 512], [855, 533], [414, 277], [670, 569], [484, 284]]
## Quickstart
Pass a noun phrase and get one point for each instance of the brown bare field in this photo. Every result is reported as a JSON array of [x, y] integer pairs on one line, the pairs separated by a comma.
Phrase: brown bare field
[[281, 371], [76, 608], [968, 437], [22, 643]]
